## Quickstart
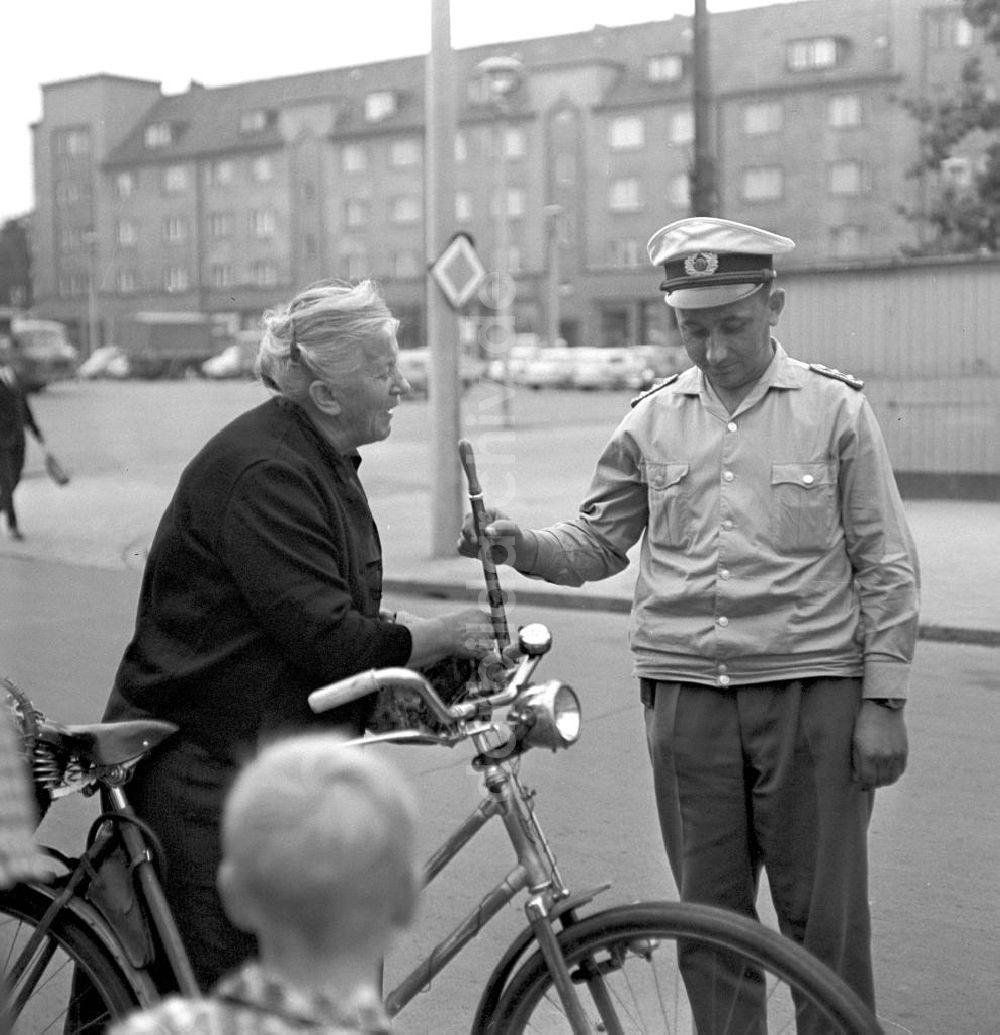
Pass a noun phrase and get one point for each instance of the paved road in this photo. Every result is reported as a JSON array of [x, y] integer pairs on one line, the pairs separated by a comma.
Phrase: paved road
[[66, 611], [935, 837]]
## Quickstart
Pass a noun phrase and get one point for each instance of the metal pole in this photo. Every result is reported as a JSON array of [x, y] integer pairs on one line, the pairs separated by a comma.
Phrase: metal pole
[[504, 301], [441, 323], [552, 214], [92, 320], [704, 201]]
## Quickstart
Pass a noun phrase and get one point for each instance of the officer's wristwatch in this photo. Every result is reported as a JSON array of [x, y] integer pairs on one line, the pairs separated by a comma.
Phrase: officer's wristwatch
[[894, 704]]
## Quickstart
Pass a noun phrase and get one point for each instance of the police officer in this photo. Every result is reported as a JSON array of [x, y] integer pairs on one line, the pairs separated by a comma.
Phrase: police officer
[[775, 609]]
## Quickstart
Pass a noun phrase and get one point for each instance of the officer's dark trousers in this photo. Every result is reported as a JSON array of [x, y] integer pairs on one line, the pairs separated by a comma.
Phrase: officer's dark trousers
[[10, 471], [756, 777]]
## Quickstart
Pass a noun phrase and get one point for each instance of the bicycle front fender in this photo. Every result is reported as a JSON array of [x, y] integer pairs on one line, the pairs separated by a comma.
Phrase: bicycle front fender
[[522, 944], [85, 915]]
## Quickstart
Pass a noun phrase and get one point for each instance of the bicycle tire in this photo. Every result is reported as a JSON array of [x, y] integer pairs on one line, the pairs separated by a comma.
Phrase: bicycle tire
[[629, 947], [47, 1000]]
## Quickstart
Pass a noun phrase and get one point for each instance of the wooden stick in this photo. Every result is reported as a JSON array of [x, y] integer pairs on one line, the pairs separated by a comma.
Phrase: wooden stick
[[498, 615]]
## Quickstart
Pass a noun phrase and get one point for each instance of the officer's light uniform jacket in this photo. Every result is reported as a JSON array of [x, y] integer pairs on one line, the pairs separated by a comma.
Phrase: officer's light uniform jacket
[[774, 543]]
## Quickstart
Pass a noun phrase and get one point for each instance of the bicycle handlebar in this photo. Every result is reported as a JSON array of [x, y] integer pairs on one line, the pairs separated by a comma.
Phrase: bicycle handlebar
[[344, 691]]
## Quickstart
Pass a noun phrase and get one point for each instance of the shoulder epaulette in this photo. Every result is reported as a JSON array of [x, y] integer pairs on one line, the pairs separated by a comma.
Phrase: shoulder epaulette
[[838, 375], [655, 388]]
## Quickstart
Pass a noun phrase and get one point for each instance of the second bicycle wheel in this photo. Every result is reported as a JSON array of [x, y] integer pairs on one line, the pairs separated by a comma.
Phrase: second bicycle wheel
[[624, 965], [38, 986]]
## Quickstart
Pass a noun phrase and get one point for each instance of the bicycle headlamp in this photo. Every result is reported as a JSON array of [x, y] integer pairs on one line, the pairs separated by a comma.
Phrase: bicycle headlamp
[[547, 715]]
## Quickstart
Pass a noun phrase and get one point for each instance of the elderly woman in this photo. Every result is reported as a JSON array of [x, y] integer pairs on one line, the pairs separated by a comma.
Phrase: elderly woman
[[263, 582]]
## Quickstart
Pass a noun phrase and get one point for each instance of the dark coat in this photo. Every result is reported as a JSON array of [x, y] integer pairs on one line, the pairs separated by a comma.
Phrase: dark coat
[[15, 416]]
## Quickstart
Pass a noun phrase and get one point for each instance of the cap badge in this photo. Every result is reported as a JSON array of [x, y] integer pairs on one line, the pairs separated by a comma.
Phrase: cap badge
[[701, 264]]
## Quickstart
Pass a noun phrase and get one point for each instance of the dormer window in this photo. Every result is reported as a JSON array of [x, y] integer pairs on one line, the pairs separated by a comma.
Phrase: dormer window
[[380, 105], [255, 121], [665, 68], [158, 134], [818, 52]]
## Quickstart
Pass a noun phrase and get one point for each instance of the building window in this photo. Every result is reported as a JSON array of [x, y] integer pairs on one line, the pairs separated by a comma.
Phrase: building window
[[625, 251], [310, 246], [71, 143], [514, 206], [262, 169], [848, 242], [68, 192], [623, 195], [125, 282], [220, 224], [515, 142], [463, 206], [220, 173], [158, 134], [175, 179], [948, 30], [126, 233], [956, 172], [175, 278], [681, 129], [626, 133], [174, 230], [843, 110], [255, 121], [679, 190], [762, 117], [403, 153], [70, 238], [404, 209], [846, 178], [73, 285], [405, 264], [354, 264], [461, 148], [762, 183], [665, 68], [262, 223], [353, 158], [355, 212], [220, 275], [819, 52], [263, 274], [380, 105], [126, 184]]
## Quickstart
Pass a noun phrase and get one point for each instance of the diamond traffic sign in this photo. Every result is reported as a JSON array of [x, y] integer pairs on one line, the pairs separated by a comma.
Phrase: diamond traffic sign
[[458, 270]]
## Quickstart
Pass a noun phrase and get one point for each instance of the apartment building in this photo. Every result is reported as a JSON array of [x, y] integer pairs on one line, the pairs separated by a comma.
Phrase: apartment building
[[227, 200]]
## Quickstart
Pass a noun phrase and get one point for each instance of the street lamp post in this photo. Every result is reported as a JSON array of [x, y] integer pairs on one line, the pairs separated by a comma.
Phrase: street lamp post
[[500, 77], [90, 239], [552, 215]]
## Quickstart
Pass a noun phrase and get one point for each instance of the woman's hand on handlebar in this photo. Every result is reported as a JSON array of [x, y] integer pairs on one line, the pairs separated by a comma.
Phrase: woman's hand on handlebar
[[509, 543], [466, 634]]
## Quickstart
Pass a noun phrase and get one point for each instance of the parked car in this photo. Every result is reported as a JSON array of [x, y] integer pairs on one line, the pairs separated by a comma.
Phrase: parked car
[[236, 359], [44, 351], [661, 361], [414, 365], [107, 361], [613, 368]]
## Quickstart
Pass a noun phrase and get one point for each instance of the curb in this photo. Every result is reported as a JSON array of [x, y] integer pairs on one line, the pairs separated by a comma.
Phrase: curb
[[575, 601]]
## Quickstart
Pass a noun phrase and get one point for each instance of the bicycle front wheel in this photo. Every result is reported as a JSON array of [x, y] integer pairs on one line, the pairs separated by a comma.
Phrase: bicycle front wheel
[[38, 986], [743, 977]]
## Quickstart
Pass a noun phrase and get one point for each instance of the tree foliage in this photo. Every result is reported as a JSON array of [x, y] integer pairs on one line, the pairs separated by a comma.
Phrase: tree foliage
[[15, 265], [963, 215]]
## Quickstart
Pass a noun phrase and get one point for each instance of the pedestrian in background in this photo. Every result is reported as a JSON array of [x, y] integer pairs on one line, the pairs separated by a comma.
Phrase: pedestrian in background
[[263, 583], [775, 609], [319, 862], [15, 416]]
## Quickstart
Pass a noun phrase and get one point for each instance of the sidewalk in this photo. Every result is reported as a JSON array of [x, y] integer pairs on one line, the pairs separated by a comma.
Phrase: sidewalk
[[107, 523]]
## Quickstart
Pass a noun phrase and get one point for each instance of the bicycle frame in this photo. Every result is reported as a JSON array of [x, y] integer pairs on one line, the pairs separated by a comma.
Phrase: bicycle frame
[[535, 873]]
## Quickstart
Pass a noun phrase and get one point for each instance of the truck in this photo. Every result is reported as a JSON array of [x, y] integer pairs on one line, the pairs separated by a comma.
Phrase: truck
[[168, 344]]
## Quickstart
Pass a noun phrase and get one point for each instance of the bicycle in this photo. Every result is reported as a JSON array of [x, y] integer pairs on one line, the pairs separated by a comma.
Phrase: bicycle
[[614, 970]]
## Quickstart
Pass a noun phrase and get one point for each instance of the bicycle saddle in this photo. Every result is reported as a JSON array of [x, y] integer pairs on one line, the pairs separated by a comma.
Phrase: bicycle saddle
[[107, 743]]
